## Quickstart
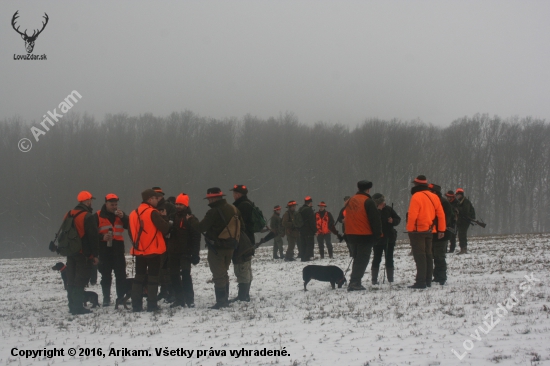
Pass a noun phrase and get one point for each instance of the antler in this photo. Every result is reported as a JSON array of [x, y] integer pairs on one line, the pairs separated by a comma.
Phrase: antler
[[15, 16], [34, 34]]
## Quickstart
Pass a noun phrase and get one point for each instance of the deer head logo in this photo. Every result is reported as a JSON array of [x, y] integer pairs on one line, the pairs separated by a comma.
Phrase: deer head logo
[[29, 40]]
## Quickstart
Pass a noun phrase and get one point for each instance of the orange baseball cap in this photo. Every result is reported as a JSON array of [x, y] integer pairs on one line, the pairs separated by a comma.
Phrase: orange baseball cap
[[111, 197], [84, 196]]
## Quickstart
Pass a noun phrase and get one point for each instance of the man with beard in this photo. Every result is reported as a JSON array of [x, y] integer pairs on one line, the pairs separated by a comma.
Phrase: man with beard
[[111, 223], [182, 248]]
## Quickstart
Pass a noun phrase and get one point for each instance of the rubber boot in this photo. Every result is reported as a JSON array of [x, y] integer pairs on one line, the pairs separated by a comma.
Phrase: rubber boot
[[244, 292], [374, 271], [187, 284], [78, 302], [152, 290], [238, 297], [275, 256], [221, 299], [389, 271], [137, 293], [330, 253], [178, 292]]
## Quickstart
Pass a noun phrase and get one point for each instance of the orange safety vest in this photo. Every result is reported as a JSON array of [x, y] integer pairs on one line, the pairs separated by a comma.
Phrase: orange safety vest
[[78, 221], [322, 223], [147, 238], [357, 222], [424, 207], [105, 225]]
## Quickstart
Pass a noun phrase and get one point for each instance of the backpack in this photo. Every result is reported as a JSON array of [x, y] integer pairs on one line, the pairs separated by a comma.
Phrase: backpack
[[69, 242], [298, 220], [258, 219], [230, 235]]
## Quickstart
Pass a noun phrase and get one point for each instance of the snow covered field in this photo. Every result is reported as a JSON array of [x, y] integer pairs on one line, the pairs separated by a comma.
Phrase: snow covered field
[[380, 326]]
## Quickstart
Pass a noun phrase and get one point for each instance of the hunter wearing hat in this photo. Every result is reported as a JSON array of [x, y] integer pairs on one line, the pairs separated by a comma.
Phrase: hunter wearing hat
[[363, 229], [276, 224], [466, 213], [450, 195], [325, 225], [79, 265], [221, 219], [291, 231], [439, 245], [147, 229], [111, 223], [307, 230], [242, 267], [182, 249], [424, 218]]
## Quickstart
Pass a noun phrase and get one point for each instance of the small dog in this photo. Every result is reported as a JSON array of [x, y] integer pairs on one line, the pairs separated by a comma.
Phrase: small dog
[[331, 274], [89, 296], [128, 283]]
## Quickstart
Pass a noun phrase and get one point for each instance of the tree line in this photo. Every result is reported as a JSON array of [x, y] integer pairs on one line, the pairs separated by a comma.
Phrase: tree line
[[502, 164]]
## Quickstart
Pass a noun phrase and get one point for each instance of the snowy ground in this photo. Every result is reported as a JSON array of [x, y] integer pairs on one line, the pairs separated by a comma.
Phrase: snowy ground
[[382, 326]]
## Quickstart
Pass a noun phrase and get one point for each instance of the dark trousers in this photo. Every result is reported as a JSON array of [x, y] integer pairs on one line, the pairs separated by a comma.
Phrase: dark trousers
[[78, 273], [361, 247], [440, 264], [452, 240], [383, 248], [93, 274], [107, 265], [147, 267], [323, 239], [463, 236], [308, 244], [421, 244], [180, 277]]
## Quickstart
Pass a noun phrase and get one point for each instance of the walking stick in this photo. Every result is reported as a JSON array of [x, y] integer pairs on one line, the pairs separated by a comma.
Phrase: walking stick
[[348, 266]]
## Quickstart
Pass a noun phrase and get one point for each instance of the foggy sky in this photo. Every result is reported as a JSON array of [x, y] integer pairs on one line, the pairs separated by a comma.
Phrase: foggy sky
[[322, 60]]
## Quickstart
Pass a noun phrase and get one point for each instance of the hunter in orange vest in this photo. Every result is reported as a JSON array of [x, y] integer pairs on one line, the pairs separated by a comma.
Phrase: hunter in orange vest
[[79, 265], [363, 229], [325, 225], [425, 216], [111, 223], [147, 229]]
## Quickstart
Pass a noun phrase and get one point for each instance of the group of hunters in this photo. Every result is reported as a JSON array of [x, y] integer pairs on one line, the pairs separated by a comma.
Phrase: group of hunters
[[166, 238]]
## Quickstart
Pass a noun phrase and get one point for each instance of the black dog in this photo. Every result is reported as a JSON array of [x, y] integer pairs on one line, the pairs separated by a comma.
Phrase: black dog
[[128, 283], [331, 274], [89, 296]]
